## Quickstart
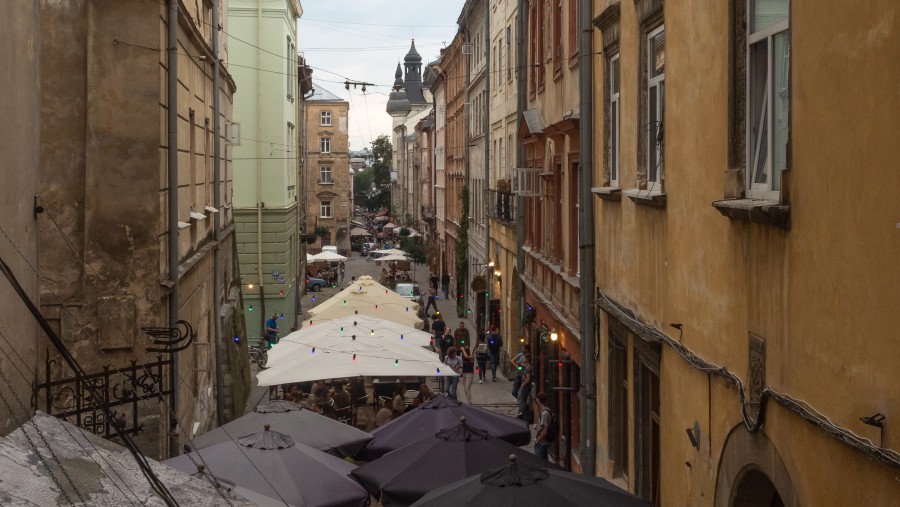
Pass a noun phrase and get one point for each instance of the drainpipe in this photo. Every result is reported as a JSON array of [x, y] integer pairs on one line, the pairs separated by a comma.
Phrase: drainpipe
[[487, 162], [217, 226], [172, 192], [586, 242], [259, 203], [521, 77]]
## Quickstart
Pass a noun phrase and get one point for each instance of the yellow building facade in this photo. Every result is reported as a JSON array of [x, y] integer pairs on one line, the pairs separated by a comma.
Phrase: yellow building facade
[[746, 243]]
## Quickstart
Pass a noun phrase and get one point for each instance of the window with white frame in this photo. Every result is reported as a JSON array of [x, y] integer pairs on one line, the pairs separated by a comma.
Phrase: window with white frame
[[325, 174], [325, 145], [768, 70], [613, 127], [291, 63], [656, 99], [325, 118], [325, 209]]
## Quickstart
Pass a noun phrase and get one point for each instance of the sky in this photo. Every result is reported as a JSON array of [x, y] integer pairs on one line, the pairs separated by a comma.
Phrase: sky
[[362, 40]]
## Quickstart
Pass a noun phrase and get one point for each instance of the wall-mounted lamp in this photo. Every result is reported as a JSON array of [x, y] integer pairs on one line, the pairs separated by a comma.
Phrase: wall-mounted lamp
[[876, 420], [554, 335], [497, 272], [694, 435]]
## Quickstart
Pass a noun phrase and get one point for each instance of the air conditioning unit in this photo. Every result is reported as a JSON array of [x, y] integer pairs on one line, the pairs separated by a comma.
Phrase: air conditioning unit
[[467, 48]]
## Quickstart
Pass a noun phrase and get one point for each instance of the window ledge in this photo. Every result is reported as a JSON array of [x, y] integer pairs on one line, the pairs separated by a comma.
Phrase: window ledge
[[608, 193], [756, 210], [652, 198]]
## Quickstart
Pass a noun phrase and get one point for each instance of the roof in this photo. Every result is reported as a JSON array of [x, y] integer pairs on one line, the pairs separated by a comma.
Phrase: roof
[[323, 95], [533, 120]]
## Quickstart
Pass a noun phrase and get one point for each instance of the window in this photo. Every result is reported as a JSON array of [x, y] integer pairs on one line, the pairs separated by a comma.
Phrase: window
[[291, 63], [325, 174], [573, 32], [656, 96], [557, 37], [618, 397], [647, 427], [613, 127], [768, 70], [325, 118], [508, 53], [325, 145], [325, 209]]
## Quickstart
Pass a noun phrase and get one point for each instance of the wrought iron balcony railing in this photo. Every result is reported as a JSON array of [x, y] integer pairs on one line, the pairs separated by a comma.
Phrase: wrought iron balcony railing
[[500, 205]]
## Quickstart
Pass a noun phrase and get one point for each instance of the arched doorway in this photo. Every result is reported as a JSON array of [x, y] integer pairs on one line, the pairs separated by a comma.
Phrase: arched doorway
[[751, 473], [755, 490]]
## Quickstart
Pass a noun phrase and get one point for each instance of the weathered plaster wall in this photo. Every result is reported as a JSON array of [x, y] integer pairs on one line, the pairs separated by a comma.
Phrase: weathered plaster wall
[[338, 192], [821, 293], [20, 131]]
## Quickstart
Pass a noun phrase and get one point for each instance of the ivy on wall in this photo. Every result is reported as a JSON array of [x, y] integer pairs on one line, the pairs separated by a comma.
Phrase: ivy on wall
[[462, 252]]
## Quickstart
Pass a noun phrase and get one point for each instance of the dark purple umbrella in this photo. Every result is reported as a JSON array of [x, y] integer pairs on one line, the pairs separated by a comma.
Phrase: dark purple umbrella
[[273, 465], [523, 485], [304, 426], [439, 413], [403, 476]]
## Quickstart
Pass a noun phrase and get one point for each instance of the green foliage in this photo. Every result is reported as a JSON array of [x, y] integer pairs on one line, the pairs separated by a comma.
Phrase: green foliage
[[462, 254], [381, 167], [414, 249], [404, 232], [321, 231]]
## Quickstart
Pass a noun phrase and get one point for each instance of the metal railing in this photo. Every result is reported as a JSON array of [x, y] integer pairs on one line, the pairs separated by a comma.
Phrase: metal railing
[[500, 205]]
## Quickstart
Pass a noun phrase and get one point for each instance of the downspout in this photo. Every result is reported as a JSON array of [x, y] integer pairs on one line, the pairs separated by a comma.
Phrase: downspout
[[172, 193], [259, 203], [468, 167], [217, 226], [487, 164], [586, 243], [521, 76]]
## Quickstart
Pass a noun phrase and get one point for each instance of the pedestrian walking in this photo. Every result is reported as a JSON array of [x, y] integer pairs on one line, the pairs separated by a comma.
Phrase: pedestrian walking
[[433, 280], [494, 343], [524, 398], [461, 335], [446, 342], [455, 363], [438, 326], [468, 372], [546, 432], [481, 355], [518, 363], [432, 293], [272, 330], [445, 285]]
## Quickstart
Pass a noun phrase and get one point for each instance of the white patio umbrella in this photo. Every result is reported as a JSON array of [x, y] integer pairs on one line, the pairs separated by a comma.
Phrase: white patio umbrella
[[359, 231], [368, 290], [393, 257], [389, 251], [330, 356], [401, 313], [390, 225], [310, 258], [328, 256], [358, 325]]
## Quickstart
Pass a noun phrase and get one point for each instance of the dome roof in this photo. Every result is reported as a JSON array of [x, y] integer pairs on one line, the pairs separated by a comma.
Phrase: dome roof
[[398, 103], [413, 56]]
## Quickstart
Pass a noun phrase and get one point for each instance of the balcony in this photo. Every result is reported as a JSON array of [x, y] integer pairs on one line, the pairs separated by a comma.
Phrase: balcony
[[428, 213], [501, 205]]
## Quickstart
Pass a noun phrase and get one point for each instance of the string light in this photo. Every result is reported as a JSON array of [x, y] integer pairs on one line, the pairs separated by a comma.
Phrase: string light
[[282, 316], [354, 357], [281, 293], [250, 285], [237, 339], [313, 351], [342, 330], [250, 309], [372, 333], [397, 363], [401, 337], [314, 298], [438, 371]]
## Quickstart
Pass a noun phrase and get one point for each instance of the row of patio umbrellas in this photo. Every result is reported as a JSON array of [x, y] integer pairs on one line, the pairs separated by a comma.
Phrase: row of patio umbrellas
[[435, 455]]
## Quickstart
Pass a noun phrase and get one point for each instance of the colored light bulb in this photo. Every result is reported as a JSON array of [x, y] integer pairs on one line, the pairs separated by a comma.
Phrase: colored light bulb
[[313, 350], [438, 371], [250, 309], [282, 317], [401, 336], [396, 362], [354, 357], [237, 339]]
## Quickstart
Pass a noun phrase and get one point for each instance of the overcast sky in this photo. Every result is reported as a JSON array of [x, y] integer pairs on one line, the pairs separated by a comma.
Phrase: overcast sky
[[363, 40]]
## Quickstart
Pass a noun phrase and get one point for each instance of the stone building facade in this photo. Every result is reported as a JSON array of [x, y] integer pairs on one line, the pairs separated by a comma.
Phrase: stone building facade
[[20, 28], [549, 133], [103, 235], [746, 280], [454, 67], [327, 177]]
